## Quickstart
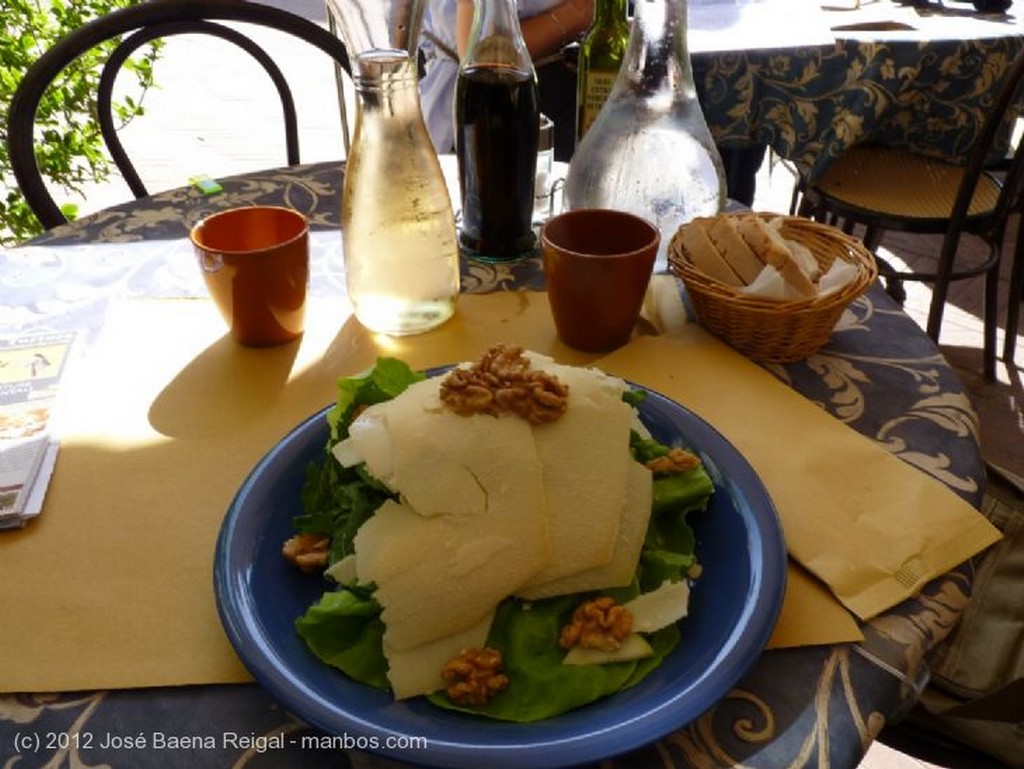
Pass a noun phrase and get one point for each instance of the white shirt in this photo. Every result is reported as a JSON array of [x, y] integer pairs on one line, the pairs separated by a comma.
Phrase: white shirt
[[437, 87]]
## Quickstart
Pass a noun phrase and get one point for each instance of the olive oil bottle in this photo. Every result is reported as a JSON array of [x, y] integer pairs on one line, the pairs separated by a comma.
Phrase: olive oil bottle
[[601, 52]]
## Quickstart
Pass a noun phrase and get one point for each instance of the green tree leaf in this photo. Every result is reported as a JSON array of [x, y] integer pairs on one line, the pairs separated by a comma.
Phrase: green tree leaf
[[69, 146]]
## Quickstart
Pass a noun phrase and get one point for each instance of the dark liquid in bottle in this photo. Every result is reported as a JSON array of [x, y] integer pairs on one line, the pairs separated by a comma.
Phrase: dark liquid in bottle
[[496, 139]]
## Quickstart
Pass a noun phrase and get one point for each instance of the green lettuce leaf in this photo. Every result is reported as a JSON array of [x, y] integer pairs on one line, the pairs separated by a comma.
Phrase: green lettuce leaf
[[677, 492], [540, 686], [344, 629], [387, 379], [337, 500], [669, 548]]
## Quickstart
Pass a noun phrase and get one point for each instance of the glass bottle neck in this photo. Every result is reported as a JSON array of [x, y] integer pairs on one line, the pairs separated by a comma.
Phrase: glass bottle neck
[[379, 25], [657, 56], [495, 37], [386, 87], [380, 71], [607, 12]]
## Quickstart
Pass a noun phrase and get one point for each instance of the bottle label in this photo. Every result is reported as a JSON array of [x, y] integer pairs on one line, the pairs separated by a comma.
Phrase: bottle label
[[595, 91]]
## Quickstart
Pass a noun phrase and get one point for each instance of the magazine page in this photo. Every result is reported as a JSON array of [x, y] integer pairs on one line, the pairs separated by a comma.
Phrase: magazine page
[[31, 368]]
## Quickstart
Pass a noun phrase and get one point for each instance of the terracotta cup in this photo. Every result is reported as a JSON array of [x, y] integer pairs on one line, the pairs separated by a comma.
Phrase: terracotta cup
[[255, 262], [598, 263]]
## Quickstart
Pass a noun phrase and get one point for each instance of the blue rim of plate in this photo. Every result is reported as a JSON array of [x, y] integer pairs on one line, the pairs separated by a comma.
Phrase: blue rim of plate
[[733, 610]]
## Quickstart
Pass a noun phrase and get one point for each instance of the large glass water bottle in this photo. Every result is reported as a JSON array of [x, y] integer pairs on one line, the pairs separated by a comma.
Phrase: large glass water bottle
[[650, 151], [497, 124], [398, 226]]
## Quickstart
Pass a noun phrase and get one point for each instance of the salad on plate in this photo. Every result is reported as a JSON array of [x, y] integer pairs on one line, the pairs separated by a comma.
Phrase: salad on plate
[[506, 538]]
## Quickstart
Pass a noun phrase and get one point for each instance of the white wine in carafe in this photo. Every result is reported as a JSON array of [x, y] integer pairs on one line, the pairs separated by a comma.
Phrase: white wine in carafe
[[398, 229]]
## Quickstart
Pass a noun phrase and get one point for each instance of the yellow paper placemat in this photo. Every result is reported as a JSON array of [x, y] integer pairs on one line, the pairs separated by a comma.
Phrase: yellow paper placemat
[[868, 524], [112, 585]]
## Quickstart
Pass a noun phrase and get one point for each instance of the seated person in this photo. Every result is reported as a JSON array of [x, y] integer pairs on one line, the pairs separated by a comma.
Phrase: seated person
[[548, 26]]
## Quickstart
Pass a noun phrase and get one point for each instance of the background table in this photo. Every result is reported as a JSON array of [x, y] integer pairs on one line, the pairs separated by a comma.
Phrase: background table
[[914, 78], [817, 706]]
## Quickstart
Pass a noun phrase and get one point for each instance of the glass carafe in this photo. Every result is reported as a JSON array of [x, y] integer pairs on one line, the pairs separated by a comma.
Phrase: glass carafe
[[398, 226], [650, 151]]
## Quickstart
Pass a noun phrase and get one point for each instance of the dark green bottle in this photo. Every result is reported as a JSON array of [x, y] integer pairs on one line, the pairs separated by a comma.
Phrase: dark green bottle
[[601, 52]]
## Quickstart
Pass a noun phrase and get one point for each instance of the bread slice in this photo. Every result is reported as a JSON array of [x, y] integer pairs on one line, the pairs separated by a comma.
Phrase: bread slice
[[800, 253], [744, 260], [803, 256], [769, 244], [705, 256]]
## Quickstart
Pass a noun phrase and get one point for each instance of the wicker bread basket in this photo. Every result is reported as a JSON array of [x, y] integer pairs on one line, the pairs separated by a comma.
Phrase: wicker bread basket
[[777, 331]]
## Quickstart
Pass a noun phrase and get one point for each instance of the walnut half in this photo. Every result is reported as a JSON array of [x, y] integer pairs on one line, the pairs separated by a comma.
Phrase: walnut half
[[600, 623], [502, 381], [474, 676], [676, 461], [308, 551]]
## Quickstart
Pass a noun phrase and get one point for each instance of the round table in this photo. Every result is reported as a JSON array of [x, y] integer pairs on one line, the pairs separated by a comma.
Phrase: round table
[[814, 706], [919, 79]]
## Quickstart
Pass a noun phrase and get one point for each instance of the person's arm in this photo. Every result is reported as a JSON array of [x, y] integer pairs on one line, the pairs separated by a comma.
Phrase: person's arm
[[545, 33], [463, 21], [551, 30]]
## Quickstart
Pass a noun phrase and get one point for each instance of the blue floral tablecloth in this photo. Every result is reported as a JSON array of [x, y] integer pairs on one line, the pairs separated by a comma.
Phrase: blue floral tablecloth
[[807, 707], [811, 103]]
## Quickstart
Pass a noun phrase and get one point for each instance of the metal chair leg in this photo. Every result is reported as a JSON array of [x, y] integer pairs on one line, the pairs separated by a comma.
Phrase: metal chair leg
[[873, 238], [1015, 298], [894, 287], [991, 321], [937, 307]]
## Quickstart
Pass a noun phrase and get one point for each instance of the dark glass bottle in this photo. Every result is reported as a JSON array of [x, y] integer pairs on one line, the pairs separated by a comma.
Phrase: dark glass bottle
[[497, 125], [601, 53]]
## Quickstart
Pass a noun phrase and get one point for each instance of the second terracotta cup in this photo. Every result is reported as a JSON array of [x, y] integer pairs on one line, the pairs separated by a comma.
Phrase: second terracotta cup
[[598, 264], [255, 262]]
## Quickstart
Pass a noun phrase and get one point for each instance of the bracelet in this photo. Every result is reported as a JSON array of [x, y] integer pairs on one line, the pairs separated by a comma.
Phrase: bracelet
[[561, 28]]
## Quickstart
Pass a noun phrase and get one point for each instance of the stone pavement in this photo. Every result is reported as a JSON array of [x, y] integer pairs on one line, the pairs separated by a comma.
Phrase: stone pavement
[[214, 111]]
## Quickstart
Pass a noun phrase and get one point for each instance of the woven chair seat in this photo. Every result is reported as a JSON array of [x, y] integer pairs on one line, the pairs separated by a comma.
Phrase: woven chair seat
[[880, 189], [895, 183]]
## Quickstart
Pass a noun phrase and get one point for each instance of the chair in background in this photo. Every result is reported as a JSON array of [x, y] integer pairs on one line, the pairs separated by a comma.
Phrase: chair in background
[[138, 25], [883, 189]]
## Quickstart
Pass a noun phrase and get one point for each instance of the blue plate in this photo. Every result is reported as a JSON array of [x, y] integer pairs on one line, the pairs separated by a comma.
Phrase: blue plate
[[733, 609]]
